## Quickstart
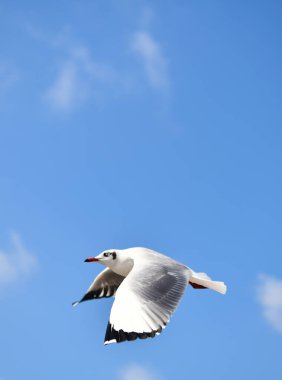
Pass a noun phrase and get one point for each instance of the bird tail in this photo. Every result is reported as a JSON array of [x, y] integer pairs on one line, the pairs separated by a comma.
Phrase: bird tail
[[203, 281]]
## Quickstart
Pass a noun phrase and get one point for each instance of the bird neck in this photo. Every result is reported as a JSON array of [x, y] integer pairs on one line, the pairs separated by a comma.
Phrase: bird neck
[[121, 267]]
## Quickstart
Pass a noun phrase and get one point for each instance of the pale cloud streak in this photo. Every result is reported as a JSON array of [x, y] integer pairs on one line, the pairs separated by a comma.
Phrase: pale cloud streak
[[149, 51], [16, 264], [80, 77], [65, 91], [269, 294], [136, 372], [77, 78]]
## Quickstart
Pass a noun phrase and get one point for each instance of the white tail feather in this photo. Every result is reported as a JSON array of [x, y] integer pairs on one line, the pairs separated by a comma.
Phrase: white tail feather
[[204, 280]]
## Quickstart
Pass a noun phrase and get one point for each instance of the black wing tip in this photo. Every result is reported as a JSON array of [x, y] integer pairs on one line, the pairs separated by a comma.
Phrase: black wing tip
[[105, 292], [114, 336]]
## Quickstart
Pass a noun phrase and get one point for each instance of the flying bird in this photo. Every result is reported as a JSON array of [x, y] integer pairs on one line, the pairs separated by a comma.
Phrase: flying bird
[[147, 286]]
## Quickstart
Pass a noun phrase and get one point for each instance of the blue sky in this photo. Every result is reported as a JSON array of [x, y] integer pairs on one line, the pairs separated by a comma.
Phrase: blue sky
[[133, 123]]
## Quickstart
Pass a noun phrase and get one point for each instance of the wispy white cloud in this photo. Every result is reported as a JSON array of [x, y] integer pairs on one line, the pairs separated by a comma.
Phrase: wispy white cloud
[[149, 51], [77, 78], [16, 264], [136, 372], [270, 298], [65, 90], [98, 71], [80, 76]]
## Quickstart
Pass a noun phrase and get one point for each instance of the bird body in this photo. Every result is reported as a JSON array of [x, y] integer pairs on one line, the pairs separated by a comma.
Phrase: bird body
[[147, 286]]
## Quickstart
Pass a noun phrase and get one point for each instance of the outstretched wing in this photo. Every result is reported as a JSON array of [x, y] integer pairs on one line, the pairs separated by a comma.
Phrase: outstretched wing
[[146, 299], [104, 285]]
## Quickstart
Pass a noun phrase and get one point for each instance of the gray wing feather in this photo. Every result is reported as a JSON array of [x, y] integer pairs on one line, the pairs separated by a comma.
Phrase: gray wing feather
[[146, 299], [163, 291]]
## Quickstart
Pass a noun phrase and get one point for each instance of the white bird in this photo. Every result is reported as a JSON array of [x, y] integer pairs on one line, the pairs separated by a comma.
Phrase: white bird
[[147, 287]]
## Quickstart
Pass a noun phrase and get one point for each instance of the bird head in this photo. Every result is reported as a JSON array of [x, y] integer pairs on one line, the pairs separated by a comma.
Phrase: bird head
[[119, 260], [104, 257]]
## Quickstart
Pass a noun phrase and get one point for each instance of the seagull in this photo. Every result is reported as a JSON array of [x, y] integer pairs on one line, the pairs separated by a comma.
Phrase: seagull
[[147, 286]]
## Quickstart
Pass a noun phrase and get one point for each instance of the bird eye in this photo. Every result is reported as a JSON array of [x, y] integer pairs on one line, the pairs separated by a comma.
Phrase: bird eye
[[106, 254]]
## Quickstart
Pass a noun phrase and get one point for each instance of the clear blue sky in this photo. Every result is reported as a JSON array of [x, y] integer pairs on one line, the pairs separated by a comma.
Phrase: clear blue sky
[[133, 123]]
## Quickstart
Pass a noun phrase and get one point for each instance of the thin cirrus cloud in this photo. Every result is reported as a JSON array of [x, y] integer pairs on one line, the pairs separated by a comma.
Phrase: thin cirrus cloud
[[80, 77], [149, 51], [16, 264], [270, 298], [64, 92], [77, 79], [136, 372]]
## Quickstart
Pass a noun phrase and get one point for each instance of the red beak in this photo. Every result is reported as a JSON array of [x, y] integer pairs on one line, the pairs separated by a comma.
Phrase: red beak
[[90, 259]]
